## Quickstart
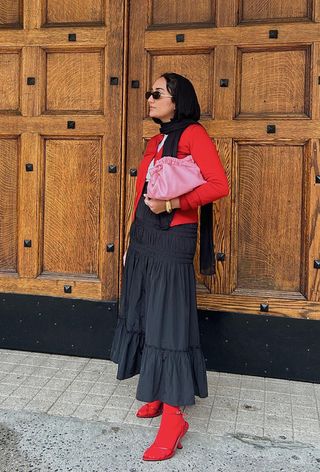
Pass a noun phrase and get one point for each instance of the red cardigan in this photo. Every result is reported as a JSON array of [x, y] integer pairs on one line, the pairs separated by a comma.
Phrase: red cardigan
[[195, 141]]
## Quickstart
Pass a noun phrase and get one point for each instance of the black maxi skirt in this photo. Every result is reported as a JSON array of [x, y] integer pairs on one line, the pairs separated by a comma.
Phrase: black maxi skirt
[[157, 334]]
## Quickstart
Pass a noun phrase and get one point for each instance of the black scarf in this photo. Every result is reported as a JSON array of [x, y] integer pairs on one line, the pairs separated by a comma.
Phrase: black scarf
[[174, 129]]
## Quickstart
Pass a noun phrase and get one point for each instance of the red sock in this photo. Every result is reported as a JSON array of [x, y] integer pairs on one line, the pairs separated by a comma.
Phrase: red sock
[[170, 408], [171, 426]]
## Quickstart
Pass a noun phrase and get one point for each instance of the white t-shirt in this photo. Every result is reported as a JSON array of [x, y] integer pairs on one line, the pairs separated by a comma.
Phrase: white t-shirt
[[152, 162]]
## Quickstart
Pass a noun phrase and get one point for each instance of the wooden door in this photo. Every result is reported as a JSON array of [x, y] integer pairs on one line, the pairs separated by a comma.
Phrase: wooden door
[[61, 66], [255, 66]]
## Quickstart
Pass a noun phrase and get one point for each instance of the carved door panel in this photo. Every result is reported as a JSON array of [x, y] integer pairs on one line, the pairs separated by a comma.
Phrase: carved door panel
[[255, 67], [61, 66]]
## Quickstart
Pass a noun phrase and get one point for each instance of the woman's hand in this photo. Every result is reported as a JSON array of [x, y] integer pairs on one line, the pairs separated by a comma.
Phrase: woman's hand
[[156, 206], [159, 206]]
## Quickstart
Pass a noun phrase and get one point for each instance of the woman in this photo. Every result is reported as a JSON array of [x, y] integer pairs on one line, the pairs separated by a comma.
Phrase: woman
[[157, 334]]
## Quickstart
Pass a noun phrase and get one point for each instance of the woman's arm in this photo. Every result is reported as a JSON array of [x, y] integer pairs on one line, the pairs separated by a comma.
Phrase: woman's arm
[[205, 155]]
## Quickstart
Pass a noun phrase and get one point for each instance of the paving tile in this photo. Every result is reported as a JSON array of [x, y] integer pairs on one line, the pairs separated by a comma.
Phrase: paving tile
[[310, 425], [197, 424], [222, 414], [65, 374], [302, 388], [304, 412], [229, 381], [94, 369], [95, 400], [75, 366], [38, 405], [226, 402], [257, 383], [132, 381], [107, 377], [276, 385], [98, 363], [6, 389], [25, 369], [252, 429], [13, 403], [35, 381], [274, 421], [212, 377], [45, 372], [119, 402], [103, 389], [131, 418], [208, 401], [62, 409], [25, 391], [77, 386], [88, 376], [229, 375], [33, 360], [126, 390], [307, 438], [197, 411], [228, 391], [278, 433], [111, 367], [4, 367], [112, 414], [57, 384], [13, 357], [75, 397], [47, 394], [14, 379], [277, 397], [278, 409], [250, 417], [221, 427], [303, 400], [87, 412], [250, 405], [54, 362], [248, 394]]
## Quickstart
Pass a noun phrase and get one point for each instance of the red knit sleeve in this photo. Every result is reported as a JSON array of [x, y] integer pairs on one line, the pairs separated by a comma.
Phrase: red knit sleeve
[[205, 155]]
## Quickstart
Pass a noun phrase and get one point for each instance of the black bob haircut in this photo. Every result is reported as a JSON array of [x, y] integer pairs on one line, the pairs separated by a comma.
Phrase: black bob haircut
[[183, 95]]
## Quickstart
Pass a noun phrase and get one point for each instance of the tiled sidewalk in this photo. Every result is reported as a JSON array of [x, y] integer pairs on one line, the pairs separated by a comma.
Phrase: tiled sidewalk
[[87, 389]]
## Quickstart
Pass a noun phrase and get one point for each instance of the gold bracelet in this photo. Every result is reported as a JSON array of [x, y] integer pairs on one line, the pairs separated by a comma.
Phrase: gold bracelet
[[168, 206]]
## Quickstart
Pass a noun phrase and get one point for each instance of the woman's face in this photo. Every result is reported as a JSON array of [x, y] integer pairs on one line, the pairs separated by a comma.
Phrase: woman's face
[[163, 108]]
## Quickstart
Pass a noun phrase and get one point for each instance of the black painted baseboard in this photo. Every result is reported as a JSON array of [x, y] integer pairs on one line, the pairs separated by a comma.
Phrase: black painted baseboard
[[267, 346], [57, 325], [232, 342]]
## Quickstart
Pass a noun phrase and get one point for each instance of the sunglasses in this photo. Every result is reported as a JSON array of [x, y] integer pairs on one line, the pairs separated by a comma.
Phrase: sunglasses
[[155, 95]]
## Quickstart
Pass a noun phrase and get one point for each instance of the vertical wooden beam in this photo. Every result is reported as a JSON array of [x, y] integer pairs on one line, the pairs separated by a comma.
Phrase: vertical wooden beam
[[227, 13], [316, 11], [315, 81], [29, 205], [313, 222], [224, 68], [33, 14], [30, 105], [222, 223], [111, 150]]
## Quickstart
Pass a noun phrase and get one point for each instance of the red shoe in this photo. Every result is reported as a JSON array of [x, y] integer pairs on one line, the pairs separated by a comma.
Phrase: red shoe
[[172, 429], [150, 410]]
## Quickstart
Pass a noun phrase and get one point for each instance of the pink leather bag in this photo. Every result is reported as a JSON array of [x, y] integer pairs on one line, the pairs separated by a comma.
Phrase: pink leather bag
[[171, 177]]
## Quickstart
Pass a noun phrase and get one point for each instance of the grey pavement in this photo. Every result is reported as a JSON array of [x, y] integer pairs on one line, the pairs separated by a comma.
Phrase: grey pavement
[[63, 413]]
